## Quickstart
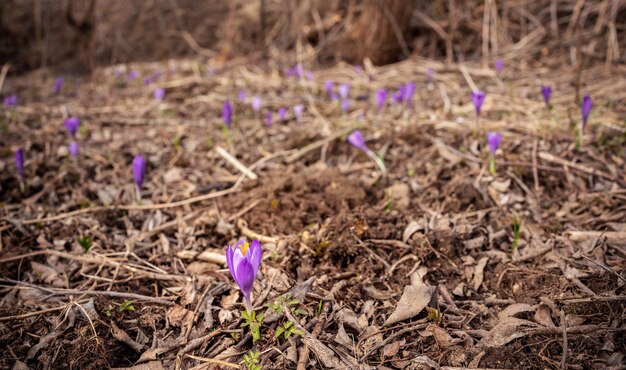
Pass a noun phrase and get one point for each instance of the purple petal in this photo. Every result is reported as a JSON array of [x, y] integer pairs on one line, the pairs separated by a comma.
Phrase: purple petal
[[255, 255], [357, 140], [229, 261], [139, 170], [244, 275], [19, 162]]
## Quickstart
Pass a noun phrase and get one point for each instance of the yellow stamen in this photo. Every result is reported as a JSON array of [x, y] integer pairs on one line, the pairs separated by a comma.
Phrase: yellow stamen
[[245, 247]]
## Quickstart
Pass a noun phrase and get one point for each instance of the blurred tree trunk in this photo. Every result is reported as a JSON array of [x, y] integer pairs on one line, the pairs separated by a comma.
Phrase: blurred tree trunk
[[376, 30]]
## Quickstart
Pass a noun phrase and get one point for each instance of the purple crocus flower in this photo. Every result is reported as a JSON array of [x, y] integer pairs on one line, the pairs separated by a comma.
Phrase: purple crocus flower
[[243, 261], [478, 98], [499, 64], [227, 114], [381, 98], [282, 114], [71, 124], [19, 164], [139, 170], [10, 101], [344, 90], [159, 93], [256, 103], [409, 91], [345, 105], [298, 109], [268, 119], [585, 109], [73, 149], [242, 96], [309, 75], [58, 85], [132, 75], [546, 91], [429, 74], [494, 139], [358, 141]]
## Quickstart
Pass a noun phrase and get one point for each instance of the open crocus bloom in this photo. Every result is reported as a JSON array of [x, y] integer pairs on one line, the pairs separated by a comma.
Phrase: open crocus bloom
[[244, 260]]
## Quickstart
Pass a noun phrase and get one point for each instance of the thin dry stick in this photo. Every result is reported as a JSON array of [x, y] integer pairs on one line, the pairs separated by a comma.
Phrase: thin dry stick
[[3, 74], [564, 326], [235, 162], [35, 313], [467, 77], [214, 361], [133, 296]]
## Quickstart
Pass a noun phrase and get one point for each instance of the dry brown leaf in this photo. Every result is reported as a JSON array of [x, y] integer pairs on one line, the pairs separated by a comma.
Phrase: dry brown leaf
[[479, 273], [49, 275], [372, 292], [414, 299], [442, 337], [543, 316], [179, 316], [392, 348], [189, 294], [505, 331], [151, 354], [514, 309], [411, 229], [343, 338]]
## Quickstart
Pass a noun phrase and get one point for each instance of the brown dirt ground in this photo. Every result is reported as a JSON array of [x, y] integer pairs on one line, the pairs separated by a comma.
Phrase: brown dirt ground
[[438, 222]]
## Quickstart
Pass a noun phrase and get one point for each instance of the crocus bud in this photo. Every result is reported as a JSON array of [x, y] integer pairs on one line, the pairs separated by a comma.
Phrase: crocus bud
[[159, 93], [282, 114], [344, 90], [73, 149], [478, 98], [71, 124], [499, 64], [585, 110], [10, 101], [357, 140], [298, 109], [256, 104], [19, 163], [139, 170], [243, 262], [381, 99], [345, 105], [409, 91], [58, 85], [268, 119], [429, 74], [546, 91], [493, 140], [227, 114]]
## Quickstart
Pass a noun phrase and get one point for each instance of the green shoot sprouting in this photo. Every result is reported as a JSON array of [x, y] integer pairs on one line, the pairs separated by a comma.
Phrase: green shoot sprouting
[[85, 242], [251, 360], [254, 323], [287, 329], [126, 305]]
